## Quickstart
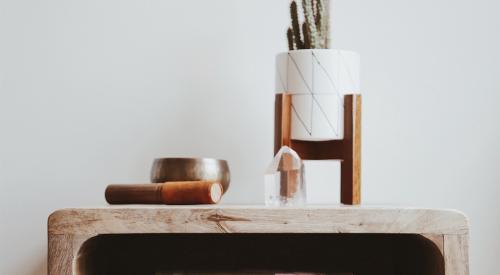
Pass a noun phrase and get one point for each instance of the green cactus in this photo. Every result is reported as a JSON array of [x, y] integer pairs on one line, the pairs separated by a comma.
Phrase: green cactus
[[318, 13], [296, 25], [289, 35], [314, 33], [321, 24], [307, 36], [326, 23], [309, 20]]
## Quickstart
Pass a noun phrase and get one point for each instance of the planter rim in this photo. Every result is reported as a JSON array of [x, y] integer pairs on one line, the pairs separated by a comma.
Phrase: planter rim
[[317, 50]]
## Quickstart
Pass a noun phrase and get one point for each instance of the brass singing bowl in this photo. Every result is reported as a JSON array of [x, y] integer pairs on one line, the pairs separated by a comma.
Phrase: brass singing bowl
[[191, 169]]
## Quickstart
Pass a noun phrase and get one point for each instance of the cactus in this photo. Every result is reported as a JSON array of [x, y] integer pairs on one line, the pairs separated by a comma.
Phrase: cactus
[[318, 13], [309, 20], [307, 36], [325, 23], [314, 33], [289, 35], [296, 25], [321, 24]]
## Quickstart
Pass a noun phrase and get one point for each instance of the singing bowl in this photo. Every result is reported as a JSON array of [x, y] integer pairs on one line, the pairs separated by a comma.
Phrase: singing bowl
[[191, 169]]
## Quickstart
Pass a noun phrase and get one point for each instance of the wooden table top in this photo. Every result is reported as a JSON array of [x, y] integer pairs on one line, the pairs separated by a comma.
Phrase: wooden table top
[[255, 219]]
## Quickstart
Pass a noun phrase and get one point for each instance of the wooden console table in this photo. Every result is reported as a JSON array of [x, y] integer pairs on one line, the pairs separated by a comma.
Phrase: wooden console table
[[382, 240]]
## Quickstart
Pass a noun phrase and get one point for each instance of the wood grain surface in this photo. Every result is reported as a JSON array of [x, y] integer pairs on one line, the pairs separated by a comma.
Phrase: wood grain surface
[[456, 254], [350, 167], [256, 219], [447, 230], [282, 121]]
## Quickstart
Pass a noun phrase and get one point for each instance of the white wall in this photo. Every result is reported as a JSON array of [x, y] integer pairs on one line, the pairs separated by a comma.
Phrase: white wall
[[92, 91]]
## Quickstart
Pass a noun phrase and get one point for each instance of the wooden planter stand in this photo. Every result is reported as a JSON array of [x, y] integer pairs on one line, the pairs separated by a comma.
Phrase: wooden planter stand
[[230, 239], [347, 150]]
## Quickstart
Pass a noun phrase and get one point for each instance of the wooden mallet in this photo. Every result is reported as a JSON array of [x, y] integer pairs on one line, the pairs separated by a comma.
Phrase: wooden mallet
[[173, 192]]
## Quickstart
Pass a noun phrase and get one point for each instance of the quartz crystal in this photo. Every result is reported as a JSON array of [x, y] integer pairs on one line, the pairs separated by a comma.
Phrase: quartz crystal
[[284, 180]]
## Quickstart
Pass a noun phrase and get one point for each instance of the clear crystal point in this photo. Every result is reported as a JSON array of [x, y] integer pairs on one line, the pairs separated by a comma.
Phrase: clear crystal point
[[284, 180]]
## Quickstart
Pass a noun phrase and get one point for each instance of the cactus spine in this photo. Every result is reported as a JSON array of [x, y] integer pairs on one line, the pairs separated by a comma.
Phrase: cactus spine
[[314, 32]]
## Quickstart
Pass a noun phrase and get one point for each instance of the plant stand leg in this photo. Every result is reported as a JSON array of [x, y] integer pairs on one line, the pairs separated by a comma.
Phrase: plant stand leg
[[348, 150]]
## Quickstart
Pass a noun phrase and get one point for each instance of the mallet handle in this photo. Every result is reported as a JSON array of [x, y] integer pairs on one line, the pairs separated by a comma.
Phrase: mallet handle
[[174, 192]]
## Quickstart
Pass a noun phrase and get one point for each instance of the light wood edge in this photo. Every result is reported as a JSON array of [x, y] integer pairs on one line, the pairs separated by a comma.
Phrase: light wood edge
[[456, 254], [256, 220], [60, 254], [63, 251], [454, 249]]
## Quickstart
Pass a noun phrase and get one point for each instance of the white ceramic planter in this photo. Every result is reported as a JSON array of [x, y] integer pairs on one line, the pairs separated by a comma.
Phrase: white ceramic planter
[[317, 79]]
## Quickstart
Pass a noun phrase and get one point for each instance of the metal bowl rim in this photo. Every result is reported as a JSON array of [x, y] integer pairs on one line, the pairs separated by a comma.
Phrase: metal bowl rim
[[189, 159]]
